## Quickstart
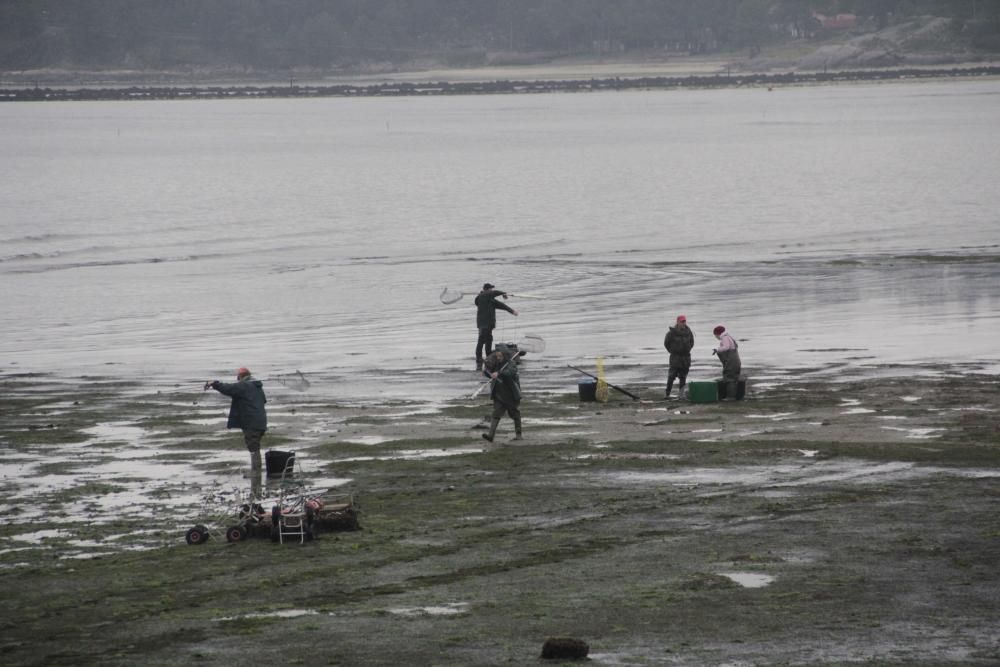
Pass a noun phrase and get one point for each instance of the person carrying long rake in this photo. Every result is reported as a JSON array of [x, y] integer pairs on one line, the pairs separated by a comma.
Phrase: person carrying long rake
[[505, 390]]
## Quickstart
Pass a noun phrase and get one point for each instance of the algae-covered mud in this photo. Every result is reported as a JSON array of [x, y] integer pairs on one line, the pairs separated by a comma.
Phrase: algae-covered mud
[[815, 522]]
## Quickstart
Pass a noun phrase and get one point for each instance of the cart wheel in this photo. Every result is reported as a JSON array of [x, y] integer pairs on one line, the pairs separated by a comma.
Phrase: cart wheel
[[196, 535], [235, 533]]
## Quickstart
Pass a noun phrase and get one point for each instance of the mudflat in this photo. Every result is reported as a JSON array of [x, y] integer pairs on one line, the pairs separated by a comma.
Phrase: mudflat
[[814, 523]]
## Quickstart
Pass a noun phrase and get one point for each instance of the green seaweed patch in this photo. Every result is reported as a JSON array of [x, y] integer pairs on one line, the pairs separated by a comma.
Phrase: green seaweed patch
[[85, 491], [247, 625], [471, 412], [755, 558], [959, 454], [338, 450], [69, 465], [369, 420], [174, 423], [390, 446], [28, 439], [706, 581]]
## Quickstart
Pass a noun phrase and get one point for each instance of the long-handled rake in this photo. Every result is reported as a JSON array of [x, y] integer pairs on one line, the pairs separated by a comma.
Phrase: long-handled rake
[[616, 388], [489, 383]]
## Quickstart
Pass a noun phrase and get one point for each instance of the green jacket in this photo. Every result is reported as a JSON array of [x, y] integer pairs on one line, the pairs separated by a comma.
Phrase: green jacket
[[507, 387]]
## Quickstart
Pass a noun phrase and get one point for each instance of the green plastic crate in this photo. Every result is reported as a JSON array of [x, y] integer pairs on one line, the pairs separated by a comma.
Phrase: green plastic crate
[[702, 392]]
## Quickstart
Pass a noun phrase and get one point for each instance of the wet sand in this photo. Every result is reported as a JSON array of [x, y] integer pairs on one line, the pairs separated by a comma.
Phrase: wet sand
[[816, 522]]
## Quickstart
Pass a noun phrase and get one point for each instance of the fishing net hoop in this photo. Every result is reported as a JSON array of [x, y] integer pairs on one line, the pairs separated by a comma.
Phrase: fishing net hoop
[[449, 296], [531, 343], [296, 381]]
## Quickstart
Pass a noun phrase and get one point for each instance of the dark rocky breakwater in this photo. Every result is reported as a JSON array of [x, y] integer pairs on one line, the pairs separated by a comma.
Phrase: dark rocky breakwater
[[720, 80]]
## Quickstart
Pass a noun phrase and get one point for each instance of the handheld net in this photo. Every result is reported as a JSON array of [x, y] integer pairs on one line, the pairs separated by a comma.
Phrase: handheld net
[[296, 381], [532, 344], [449, 295]]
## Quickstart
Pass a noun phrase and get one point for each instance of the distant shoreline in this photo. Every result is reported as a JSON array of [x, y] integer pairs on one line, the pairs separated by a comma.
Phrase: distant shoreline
[[727, 79]]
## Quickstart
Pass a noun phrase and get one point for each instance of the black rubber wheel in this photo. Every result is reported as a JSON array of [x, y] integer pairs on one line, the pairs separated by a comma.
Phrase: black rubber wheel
[[235, 533], [196, 535]]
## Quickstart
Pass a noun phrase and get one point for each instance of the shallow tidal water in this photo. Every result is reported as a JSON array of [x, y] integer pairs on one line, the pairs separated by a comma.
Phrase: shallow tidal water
[[844, 228]]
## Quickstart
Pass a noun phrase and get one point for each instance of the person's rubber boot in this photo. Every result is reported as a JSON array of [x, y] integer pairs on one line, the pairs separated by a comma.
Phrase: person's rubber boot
[[681, 393], [255, 462], [666, 395], [517, 430], [493, 430]]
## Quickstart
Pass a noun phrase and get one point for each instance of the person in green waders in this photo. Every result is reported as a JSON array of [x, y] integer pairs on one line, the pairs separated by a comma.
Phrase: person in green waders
[[729, 355], [505, 392], [246, 411]]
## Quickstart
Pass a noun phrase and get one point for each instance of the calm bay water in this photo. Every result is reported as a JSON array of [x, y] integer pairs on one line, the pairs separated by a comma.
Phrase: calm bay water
[[174, 241]]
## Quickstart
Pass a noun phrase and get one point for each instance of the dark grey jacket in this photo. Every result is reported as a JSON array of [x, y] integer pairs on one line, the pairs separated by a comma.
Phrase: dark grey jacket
[[679, 343], [486, 308], [247, 409]]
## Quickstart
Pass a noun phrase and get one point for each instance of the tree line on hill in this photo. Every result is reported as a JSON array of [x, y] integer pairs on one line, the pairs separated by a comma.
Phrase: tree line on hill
[[279, 34]]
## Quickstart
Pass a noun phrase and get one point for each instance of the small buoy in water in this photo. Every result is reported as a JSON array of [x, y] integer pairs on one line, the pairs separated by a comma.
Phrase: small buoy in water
[[564, 648]]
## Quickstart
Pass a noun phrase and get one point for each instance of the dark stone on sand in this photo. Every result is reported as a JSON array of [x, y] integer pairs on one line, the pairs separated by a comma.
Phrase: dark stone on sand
[[564, 648]]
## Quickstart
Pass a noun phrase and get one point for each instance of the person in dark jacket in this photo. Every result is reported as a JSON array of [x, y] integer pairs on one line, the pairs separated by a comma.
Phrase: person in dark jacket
[[486, 319], [246, 411], [679, 341], [505, 392]]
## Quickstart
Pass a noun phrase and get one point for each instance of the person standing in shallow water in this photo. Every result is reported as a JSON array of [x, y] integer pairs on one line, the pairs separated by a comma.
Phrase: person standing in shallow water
[[505, 392], [486, 319], [679, 341], [246, 411], [728, 353]]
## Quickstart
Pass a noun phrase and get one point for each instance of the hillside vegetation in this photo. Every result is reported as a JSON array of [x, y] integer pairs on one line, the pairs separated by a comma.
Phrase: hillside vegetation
[[254, 36]]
